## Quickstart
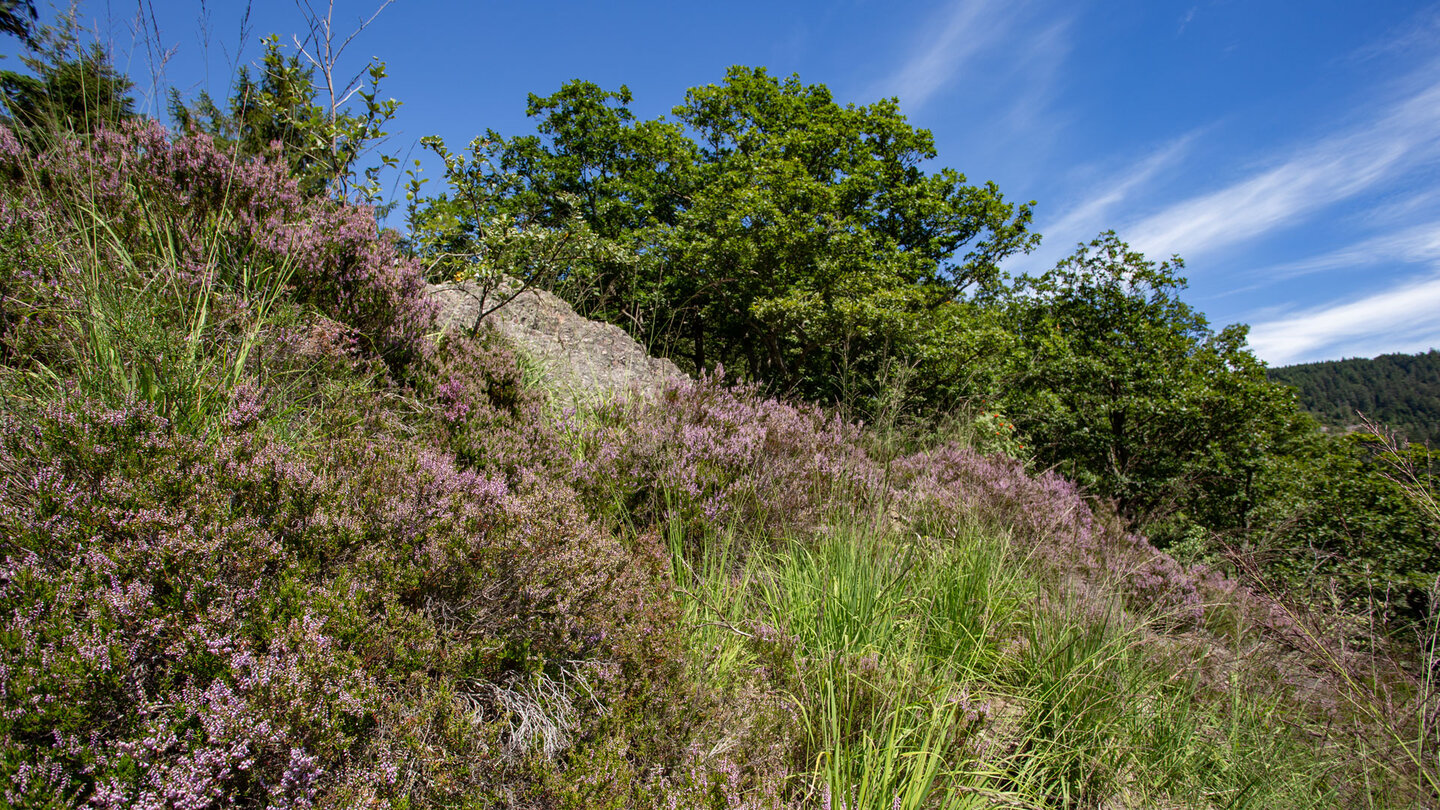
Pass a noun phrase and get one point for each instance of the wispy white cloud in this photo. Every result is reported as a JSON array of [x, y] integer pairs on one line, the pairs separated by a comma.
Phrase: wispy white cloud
[[960, 42], [1400, 319], [1038, 57], [967, 27], [1095, 212], [1400, 137], [1422, 203], [1416, 36], [1186, 19], [1417, 243]]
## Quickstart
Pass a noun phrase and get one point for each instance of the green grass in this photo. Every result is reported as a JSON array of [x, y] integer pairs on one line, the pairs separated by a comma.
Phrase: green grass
[[138, 320], [942, 673]]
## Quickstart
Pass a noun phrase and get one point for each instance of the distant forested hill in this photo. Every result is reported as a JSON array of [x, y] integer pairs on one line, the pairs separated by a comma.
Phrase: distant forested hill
[[1400, 390]]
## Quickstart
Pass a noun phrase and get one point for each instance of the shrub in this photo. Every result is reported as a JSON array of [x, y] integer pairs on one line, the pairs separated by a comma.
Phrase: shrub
[[222, 620], [722, 455], [146, 659], [185, 212], [484, 413], [1048, 520]]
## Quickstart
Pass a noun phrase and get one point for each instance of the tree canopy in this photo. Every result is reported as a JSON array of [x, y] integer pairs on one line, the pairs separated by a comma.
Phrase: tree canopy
[[17, 18], [1400, 390], [1126, 388], [772, 229], [69, 86], [279, 107]]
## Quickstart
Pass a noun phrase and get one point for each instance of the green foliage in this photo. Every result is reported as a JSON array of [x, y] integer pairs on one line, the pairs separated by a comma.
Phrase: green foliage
[[628, 174], [1335, 521], [1126, 389], [114, 329], [471, 238], [1401, 391], [814, 237], [1117, 383], [69, 87], [181, 347], [279, 108], [13, 18], [774, 231], [627, 179]]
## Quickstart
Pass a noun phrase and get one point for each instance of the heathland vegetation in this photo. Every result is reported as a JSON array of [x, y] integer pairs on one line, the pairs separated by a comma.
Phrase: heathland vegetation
[[915, 535]]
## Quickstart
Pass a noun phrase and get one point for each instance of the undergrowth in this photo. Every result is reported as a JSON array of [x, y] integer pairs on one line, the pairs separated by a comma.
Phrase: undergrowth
[[270, 540]]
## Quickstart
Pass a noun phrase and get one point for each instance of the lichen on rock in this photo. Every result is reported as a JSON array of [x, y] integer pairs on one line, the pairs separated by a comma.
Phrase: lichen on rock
[[581, 359]]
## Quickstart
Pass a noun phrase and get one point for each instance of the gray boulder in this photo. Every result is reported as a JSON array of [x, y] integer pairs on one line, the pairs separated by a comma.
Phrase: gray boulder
[[581, 359]]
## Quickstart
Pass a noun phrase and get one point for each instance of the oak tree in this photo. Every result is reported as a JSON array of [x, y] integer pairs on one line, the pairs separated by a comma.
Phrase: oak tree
[[770, 228]]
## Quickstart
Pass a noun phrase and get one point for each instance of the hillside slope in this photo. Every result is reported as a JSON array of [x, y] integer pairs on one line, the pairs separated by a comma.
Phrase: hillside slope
[[272, 537], [1401, 391]]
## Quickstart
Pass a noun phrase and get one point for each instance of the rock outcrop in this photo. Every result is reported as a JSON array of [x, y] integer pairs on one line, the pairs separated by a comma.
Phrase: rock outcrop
[[583, 359]]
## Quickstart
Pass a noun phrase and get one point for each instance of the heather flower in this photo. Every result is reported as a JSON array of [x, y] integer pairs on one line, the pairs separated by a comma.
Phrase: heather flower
[[247, 403], [1049, 521], [249, 212], [723, 456]]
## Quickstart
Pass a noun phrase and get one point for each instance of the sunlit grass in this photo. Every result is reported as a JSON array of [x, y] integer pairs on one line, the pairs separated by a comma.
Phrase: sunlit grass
[[940, 672]]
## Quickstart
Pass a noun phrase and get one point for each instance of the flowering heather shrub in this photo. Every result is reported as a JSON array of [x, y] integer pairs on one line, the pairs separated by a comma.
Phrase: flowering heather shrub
[[723, 455], [29, 290], [202, 624], [145, 665], [1047, 519], [218, 212], [486, 415]]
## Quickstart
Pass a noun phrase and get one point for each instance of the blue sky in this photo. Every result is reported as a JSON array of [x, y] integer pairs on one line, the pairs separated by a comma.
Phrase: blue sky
[[1290, 152]]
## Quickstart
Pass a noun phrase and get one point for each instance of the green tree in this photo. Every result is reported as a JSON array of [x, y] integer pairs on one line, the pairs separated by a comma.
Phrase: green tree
[[793, 239], [1126, 389], [1402, 391], [587, 206], [279, 106], [1334, 521], [626, 174], [17, 18], [501, 251], [816, 237], [68, 87]]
